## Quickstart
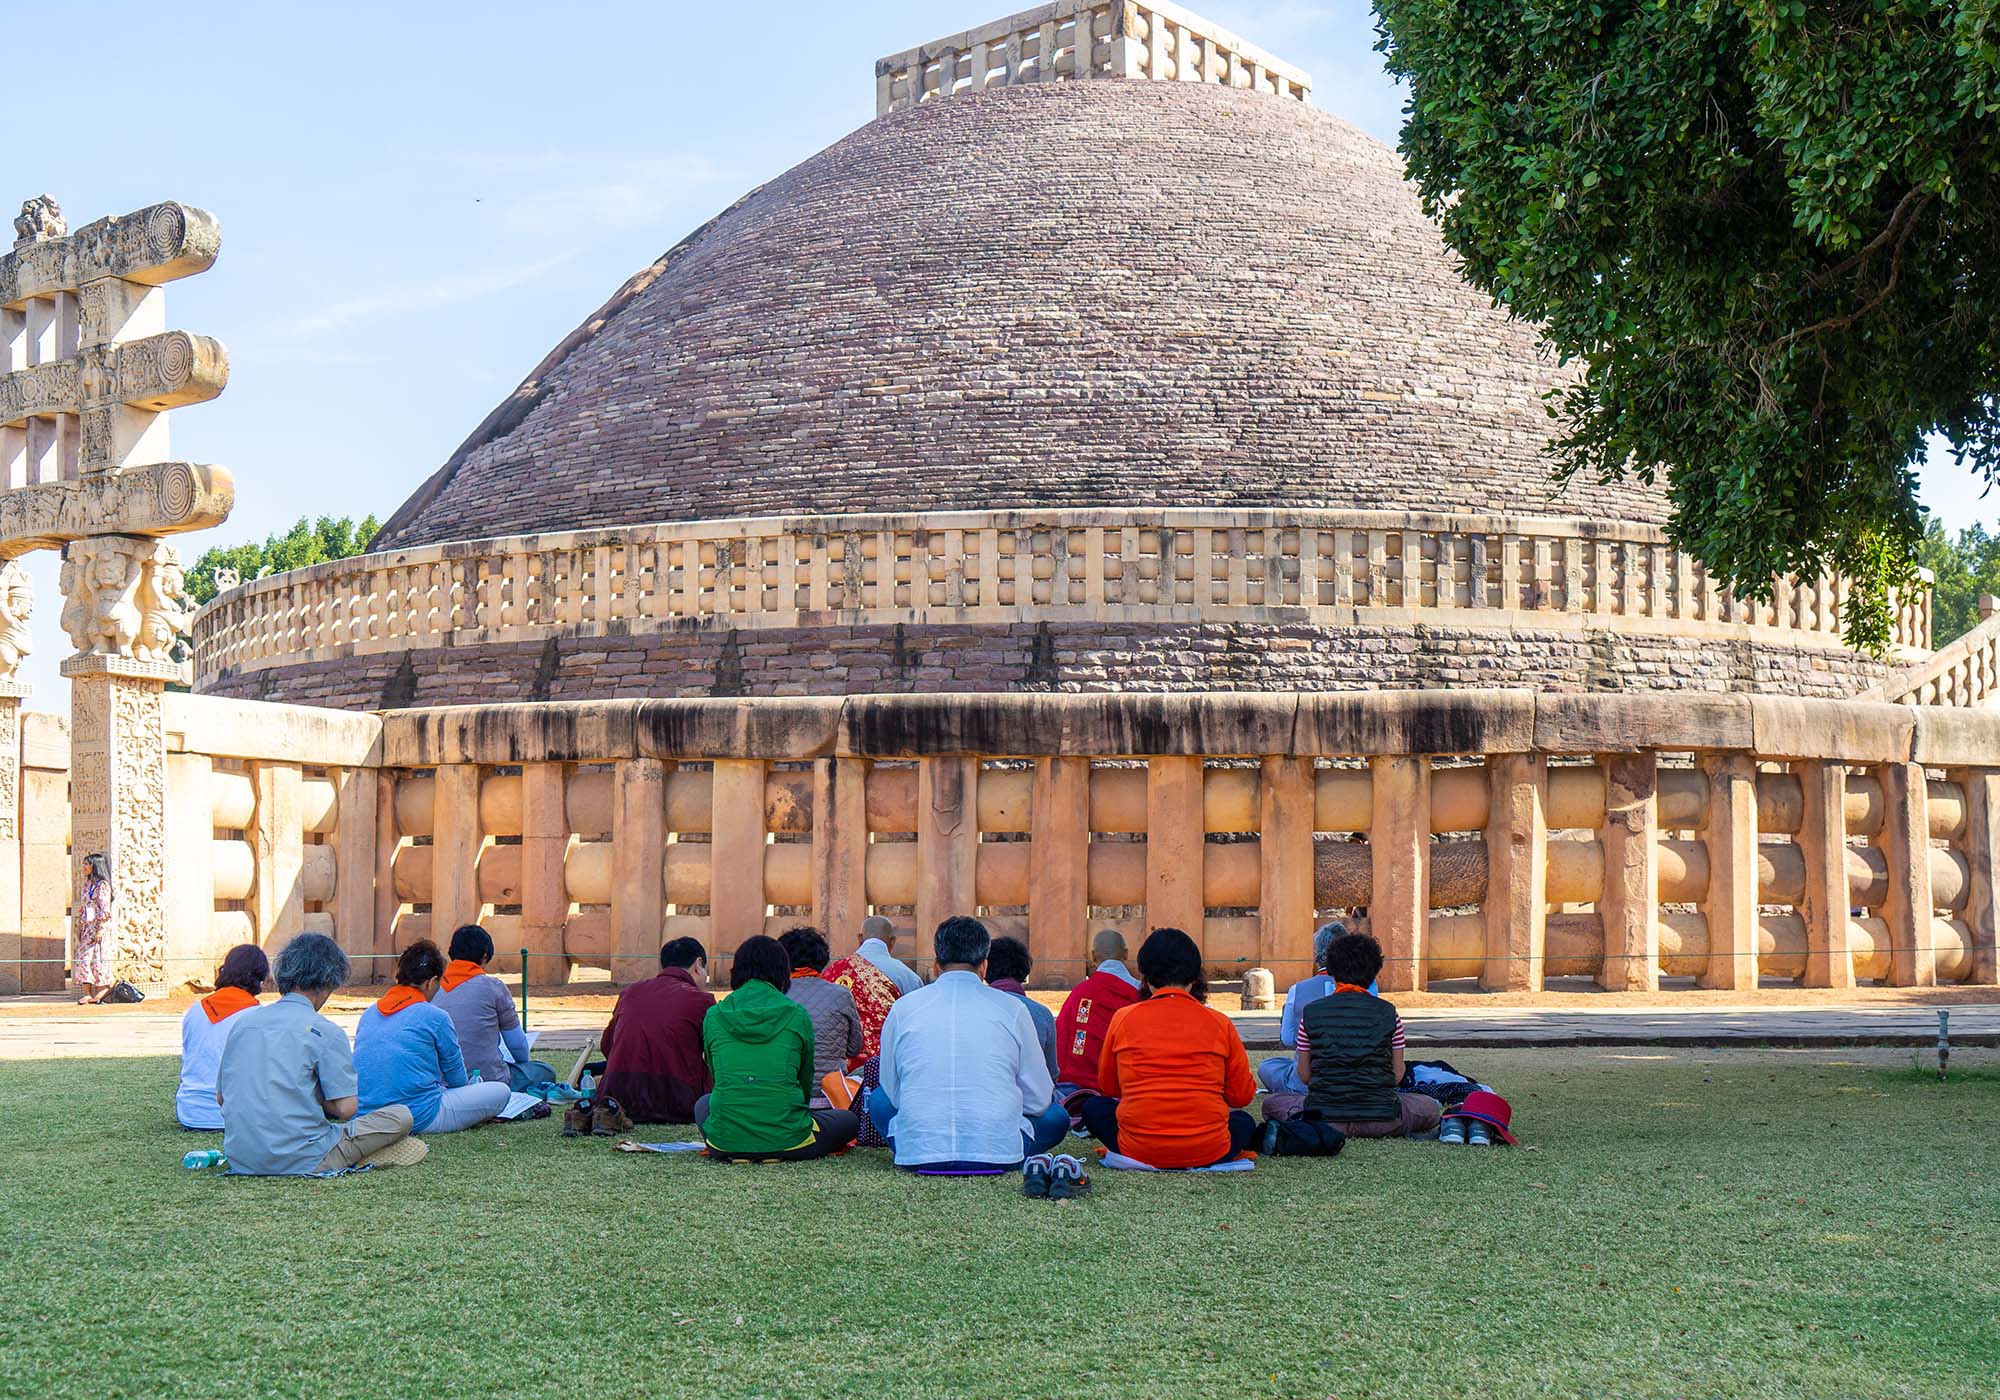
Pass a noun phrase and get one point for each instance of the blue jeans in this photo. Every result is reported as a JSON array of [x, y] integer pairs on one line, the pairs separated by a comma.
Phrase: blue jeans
[[519, 1077], [1280, 1075], [1043, 1131]]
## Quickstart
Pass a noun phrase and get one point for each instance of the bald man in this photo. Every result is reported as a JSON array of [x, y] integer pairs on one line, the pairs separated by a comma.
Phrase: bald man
[[1087, 1012], [876, 935]]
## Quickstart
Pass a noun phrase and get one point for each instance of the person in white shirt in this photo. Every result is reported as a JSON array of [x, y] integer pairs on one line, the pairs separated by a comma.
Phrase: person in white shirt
[[964, 1087], [876, 932], [207, 1025]]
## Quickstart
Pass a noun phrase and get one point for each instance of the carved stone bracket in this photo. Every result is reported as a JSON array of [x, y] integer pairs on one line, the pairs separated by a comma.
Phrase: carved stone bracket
[[154, 245], [163, 499], [156, 373]]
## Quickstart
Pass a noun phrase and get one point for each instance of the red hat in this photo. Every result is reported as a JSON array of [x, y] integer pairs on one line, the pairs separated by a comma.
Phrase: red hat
[[1487, 1108]]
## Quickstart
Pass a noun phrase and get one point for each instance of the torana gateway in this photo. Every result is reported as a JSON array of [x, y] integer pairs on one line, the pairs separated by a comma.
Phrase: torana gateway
[[1086, 494]]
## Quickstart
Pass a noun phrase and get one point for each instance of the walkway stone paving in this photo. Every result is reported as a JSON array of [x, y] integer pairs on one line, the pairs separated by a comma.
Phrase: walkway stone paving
[[142, 1030]]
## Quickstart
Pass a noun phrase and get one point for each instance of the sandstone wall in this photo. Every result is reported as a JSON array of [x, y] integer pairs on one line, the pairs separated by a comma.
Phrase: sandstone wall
[[1078, 657]]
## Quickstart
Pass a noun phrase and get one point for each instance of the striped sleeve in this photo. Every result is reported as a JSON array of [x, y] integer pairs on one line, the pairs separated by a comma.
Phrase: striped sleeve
[[1396, 1037], [1302, 1043]]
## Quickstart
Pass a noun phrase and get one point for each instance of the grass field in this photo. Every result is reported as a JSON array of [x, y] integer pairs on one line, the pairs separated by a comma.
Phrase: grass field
[[1749, 1223]]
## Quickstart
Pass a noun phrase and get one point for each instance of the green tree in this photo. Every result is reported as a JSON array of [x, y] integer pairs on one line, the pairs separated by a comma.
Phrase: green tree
[[1765, 234], [308, 542], [1967, 569]]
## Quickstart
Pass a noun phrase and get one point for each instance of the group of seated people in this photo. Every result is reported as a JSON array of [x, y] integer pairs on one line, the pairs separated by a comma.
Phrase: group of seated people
[[964, 1075]]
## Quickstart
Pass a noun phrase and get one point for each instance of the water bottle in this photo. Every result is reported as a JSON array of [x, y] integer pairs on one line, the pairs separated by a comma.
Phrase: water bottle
[[585, 1087], [204, 1157]]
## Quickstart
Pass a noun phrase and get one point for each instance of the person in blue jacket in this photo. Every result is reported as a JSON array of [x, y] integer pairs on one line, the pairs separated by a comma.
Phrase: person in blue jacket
[[406, 1052]]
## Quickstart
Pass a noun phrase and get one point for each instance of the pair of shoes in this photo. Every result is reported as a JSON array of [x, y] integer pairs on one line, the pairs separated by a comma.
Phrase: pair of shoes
[[577, 1118], [1066, 1179], [403, 1152], [840, 1089], [608, 1119], [1036, 1174], [1451, 1132]]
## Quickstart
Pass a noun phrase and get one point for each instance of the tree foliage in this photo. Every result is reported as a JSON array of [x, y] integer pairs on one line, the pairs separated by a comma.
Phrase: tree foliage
[[1967, 569], [1765, 234], [308, 542]]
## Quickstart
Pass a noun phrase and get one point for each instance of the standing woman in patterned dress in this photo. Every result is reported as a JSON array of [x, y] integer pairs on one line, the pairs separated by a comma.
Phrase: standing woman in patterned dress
[[96, 947]]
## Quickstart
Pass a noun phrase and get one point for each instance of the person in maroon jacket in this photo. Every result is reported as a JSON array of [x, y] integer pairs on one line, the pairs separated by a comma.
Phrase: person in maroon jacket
[[653, 1061], [1086, 1015]]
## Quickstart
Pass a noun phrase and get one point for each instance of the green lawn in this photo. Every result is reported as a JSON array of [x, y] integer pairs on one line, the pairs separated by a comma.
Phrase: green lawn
[[1687, 1224]]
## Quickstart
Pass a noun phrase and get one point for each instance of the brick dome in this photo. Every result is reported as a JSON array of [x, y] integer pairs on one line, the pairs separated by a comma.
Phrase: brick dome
[[1056, 295]]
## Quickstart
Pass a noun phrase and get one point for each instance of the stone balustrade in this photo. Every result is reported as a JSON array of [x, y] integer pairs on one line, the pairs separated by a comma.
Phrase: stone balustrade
[[1173, 566], [1966, 672], [1072, 39], [1499, 835]]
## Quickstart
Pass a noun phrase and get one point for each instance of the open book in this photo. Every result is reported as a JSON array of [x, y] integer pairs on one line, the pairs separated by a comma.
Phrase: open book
[[517, 1104]]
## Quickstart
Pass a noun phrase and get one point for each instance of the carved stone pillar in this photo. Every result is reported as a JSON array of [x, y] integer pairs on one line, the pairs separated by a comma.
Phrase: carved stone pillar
[[11, 695], [118, 799]]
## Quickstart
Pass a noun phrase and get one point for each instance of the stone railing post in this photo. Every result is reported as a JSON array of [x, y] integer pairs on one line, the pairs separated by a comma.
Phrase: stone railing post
[[638, 868], [1731, 901], [13, 797], [1905, 843], [1285, 852], [357, 804], [456, 843], [737, 841], [1174, 845], [545, 846], [947, 841], [1828, 898], [1517, 860], [190, 865], [840, 850], [1059, 859], [1981, 845], [1399, 847], [1629, 902]]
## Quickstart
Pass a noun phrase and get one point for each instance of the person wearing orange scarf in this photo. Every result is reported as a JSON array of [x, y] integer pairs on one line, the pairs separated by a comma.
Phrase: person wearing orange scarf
[[482, 1013], [406, 1052], [206, 1026]]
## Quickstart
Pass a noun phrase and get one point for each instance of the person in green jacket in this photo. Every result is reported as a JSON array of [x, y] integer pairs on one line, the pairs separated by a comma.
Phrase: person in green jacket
[[759, 1047]]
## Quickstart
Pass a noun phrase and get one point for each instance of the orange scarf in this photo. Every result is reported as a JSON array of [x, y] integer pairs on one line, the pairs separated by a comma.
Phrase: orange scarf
[[224, 1002], [397, 998], [1349, 987], [799, 972], [459, 970]]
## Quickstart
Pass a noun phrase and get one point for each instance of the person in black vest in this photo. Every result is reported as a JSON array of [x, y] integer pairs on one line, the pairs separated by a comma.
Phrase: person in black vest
[[1350, 1055]]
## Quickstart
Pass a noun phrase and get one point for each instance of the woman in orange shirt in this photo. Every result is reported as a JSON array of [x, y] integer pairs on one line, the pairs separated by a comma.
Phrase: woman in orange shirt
[[1174, 1076]]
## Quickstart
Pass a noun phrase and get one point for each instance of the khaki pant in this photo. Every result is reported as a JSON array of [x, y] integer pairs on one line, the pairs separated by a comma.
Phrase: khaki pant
[[366, 1134]]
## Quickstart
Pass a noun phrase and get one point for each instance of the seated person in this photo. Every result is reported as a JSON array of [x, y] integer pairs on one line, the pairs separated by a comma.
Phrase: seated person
[[1008, 966], [1279, 1074], [874, 992], [207, 1024], [876, 935], [1174, 1076], [963, 1085], [1086, 1014], [759, 1044], [406, 1052], [836, 1022], [286, 1080], [1350, 1055], [653, 1064], [482, 1013]]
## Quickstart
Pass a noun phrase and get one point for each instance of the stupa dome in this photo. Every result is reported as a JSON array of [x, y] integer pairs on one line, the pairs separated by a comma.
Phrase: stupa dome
[[1057, 295]]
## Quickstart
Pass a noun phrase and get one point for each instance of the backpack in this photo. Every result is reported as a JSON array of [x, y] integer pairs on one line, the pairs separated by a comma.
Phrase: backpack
[[1307, 1137], [123, 993]]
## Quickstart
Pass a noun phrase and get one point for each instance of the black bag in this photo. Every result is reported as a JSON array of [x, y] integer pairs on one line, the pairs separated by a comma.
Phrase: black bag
[[1307, 1137], [123, 994]]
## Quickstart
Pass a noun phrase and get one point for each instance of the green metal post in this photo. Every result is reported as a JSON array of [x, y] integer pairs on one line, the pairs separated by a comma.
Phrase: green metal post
[[524, 989]]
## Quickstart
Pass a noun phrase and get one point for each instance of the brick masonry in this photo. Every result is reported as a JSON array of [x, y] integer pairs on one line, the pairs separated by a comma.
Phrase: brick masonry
[[1050, 657]]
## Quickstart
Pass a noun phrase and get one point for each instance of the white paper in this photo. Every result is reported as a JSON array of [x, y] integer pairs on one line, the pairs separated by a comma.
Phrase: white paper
[[517, 1104], [508, 1055]]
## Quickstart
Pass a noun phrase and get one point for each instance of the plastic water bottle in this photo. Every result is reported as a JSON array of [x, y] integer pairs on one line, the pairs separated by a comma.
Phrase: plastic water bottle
[[204, 1157], [585, 1086]]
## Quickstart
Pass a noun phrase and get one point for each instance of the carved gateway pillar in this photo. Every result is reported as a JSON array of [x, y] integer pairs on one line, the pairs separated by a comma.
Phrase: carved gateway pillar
[[87, 373]]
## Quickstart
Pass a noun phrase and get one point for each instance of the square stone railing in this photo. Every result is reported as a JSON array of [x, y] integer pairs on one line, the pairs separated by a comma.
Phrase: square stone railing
[[1163, 566], [1502, 836], [1073, 39]]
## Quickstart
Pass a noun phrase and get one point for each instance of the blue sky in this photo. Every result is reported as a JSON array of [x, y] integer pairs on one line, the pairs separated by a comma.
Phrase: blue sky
[[418, 201]]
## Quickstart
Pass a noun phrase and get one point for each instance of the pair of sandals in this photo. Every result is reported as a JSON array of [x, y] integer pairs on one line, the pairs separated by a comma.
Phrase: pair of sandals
[[1053, 1178]]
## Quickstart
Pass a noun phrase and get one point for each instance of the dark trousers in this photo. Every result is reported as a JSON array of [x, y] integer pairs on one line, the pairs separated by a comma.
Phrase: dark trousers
[[833, 1129], [1100, 1119]]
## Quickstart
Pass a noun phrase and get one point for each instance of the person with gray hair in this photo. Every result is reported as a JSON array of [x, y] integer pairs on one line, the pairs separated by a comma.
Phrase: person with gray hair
[[876, 935], [1279, 1074], [286, 1083]]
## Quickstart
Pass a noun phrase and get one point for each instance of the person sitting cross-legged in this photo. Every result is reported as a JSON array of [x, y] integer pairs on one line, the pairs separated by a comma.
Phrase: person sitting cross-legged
[[759, 1044], [877, 936], [964, 1087], [482, 1013], [1279, 1074], [1008, 967], [1350, 1055], [1086, 1015], [406, 1052], [286, 1080], [207, 1025], [836, 1023], [1174, 1076], [653, 1066]]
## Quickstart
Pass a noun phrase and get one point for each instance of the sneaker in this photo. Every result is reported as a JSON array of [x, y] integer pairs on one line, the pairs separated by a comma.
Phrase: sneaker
[[1452, 1132], [404, 1152], [1066, 1179], [608, 1119], [576, 1119], [1036, 1175], [1481, 1134], [839, 1088]]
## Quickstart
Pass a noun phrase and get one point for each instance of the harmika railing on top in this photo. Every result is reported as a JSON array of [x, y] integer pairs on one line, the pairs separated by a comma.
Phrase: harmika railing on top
[[1006, 567], [1964, 673], [1073, 39]]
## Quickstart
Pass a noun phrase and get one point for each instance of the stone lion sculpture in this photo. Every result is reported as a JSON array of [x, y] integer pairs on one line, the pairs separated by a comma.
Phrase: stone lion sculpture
[[40, 218]]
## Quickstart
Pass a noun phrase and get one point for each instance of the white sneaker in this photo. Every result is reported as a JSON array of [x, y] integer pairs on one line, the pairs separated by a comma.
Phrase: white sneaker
[[1451, 1132], [1481, 1134]]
